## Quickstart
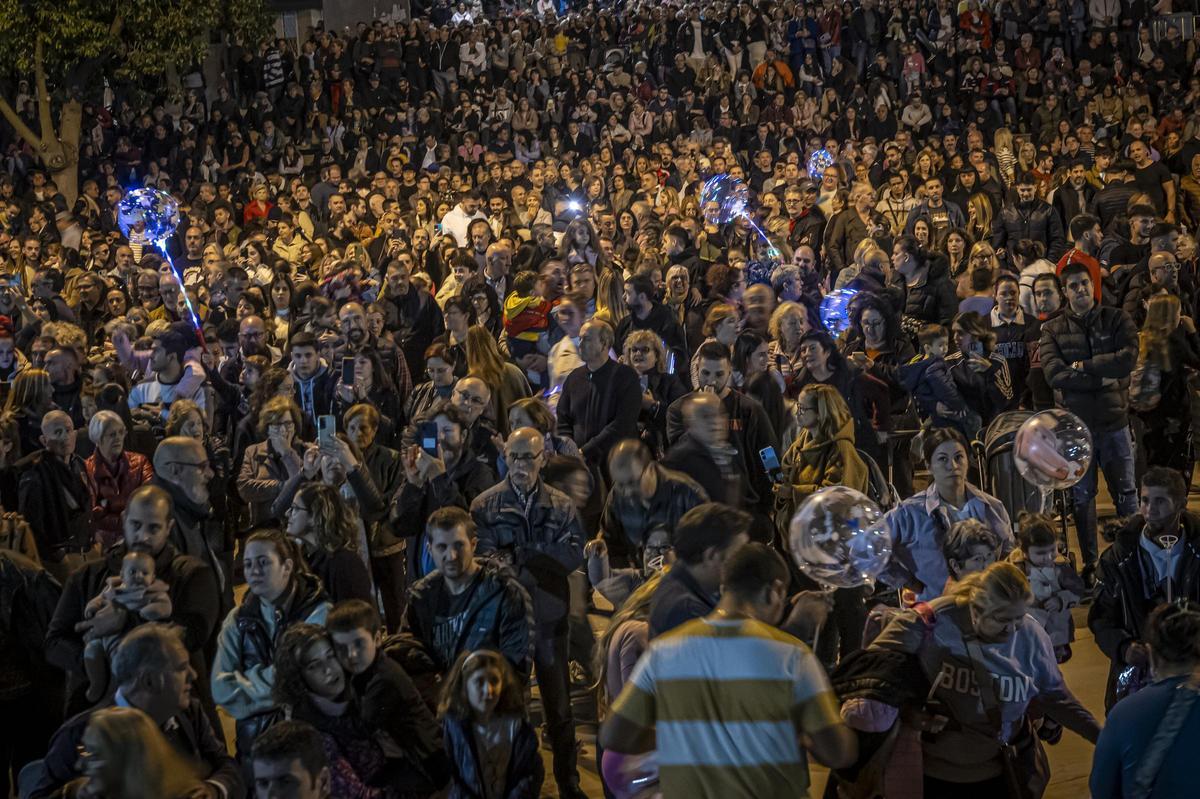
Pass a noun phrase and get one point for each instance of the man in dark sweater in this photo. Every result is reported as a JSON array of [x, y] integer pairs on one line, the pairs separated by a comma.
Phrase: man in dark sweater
[[600, 400], [646, 314]]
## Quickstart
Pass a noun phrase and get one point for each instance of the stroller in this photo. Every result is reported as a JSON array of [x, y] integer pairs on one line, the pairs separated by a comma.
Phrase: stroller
[[1002, 480]]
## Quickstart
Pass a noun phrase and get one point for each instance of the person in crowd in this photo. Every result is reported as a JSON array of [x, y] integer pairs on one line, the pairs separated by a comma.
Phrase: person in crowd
[[447, 476], [289, 760], [705, 454], [1136, 745], [1056, 585], [919, 524], [267, 465], [645, 496], [660, 386], [310, 683], [535, 528], [280, 594], [114, 473], [463, 587], [153, 674], [1087, 353], [737, 650], [192, 590], [1154, 558], [600, 400], [54, 496], [970, 548], [490, 742], [126, 756], [389, 699], [985, 661], [326, 533]]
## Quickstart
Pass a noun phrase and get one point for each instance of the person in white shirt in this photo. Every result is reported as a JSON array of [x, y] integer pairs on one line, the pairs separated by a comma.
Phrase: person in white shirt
[[170, 378], [457, 221]]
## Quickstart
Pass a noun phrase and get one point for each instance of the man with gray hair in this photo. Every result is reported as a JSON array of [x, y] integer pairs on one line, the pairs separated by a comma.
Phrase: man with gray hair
[[153, 674]]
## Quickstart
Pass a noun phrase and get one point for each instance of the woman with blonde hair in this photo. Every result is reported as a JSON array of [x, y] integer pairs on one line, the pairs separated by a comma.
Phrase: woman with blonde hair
[[984, 660], [610, 298], [1002, 143], [981, 256], [823, 453], [788, 324], [644, 351], [1168, 348], [124, 755], [979, 217], [507, 381]]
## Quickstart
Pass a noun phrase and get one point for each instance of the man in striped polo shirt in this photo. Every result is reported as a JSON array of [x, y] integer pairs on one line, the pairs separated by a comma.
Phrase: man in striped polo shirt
[[726, 700]]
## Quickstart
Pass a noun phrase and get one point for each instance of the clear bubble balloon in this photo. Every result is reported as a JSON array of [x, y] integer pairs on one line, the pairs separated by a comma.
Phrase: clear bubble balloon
[[1053, 449], [839, 538], [156, 210], [818, 162], [835, 310], [723, 199]]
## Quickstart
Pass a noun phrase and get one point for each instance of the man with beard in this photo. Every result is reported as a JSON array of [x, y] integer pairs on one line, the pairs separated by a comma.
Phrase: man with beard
[[750, 429], [192, 586], [646, 313], [412, 315], [449, 476], [54, 498], [1155, 558], [1164, 279], [66, 382], [806, 222], [358, 339], [471, 397], [182, 469], [1076, 196], [1029, 218]]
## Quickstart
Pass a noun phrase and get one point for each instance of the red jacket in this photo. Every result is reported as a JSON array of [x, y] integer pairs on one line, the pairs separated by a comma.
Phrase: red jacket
[[111, 486]]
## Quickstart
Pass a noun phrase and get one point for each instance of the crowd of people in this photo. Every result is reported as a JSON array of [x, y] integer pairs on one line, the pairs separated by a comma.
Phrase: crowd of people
[[450, 353]]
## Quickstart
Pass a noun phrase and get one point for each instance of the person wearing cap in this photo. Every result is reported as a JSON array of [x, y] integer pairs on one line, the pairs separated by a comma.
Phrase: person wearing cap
[[170, 378]]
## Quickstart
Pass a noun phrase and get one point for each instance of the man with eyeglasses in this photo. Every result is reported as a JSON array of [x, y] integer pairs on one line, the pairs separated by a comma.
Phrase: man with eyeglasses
[[1164, 279], [806, 222], [471, 397], [182, 469], [195, 599], [53, 496], [535, 527]]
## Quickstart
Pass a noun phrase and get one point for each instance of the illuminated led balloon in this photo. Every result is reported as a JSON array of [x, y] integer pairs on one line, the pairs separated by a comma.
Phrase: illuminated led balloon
[[839, 538], [157, 209], [723, 199], [817, 163], [835, 309], [1053, 449]]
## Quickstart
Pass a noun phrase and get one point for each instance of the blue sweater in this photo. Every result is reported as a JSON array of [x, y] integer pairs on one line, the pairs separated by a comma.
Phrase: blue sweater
[[1131, 725]]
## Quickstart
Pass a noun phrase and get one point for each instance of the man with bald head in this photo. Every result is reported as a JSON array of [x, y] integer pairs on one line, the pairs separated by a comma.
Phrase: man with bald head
[[182, 470], [533, 526], [53, 497], [600, 400], [1163, 269], [645, 496], [147, 526], [471, 397]]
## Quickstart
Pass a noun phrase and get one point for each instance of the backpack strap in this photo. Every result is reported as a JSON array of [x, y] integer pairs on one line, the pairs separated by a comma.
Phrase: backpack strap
[[1172, 722]]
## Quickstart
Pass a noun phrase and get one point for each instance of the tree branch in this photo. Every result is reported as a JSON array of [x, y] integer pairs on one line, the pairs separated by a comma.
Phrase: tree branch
[[39, 67], [31, 138]]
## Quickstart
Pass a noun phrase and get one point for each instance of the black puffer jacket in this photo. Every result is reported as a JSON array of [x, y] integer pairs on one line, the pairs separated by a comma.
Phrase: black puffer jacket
[[499, 615], [1105, 341], [1036, 220], [1123, 601]]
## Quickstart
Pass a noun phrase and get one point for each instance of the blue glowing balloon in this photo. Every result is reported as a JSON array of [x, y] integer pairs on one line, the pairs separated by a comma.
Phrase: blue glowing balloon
[[723, 199], [157, 210], [817, 163], [835, 310]]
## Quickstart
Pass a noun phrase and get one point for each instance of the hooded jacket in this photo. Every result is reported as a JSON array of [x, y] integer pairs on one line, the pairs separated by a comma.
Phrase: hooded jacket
[[934, 299]]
